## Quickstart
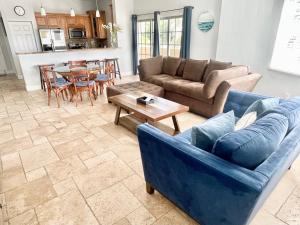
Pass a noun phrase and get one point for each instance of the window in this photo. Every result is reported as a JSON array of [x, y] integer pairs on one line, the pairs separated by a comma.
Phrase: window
[[145, 39], [286, 54], [170, 36]]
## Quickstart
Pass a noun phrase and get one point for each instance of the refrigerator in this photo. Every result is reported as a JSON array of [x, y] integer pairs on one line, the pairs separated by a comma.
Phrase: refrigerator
[[53, 40]]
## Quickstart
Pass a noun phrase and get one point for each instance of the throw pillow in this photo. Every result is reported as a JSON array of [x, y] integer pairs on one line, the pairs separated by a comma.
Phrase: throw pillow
[[181, 68], [170, 65], [246, 121], [215, 65], [152, 66], [194, 70], [205, 135], [253, 145], [289, 108], [262, 105]]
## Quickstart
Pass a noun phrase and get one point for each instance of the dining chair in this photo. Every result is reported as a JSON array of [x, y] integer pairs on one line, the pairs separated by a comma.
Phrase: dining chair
[[55, 84], [78, 63], [82, 83], [116, 67], [41, 68], [105, 77]]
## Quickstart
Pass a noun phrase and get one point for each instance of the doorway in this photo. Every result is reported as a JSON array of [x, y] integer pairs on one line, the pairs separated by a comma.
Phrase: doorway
[[6, 60]]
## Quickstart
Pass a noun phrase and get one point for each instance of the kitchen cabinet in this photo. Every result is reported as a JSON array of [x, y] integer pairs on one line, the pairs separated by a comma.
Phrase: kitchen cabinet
[[64, 25], [53, 21], [88, 27], [80, 21], [71, 21], [65, 21], [97, 28], [41, 20]]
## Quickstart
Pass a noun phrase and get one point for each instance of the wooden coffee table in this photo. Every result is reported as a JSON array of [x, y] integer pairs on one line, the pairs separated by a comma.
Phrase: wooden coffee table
[[139, 113]]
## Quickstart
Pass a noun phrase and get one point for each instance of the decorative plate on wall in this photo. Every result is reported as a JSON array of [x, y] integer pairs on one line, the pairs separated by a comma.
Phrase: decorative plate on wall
[[206, 21]]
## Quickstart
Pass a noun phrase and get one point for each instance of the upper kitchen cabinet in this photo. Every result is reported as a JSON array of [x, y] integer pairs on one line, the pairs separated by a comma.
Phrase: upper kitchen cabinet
[[41, 20], [71, 21], [53, 21], [88, 27], [65, 21], [80, 21], [97, 28]]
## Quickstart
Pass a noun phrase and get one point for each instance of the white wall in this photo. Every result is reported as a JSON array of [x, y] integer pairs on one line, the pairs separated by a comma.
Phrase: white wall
[[123, 11], [203, 45], [247, 35]]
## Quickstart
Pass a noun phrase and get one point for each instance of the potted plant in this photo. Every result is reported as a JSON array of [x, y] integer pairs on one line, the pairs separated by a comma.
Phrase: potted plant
[[113, 30]]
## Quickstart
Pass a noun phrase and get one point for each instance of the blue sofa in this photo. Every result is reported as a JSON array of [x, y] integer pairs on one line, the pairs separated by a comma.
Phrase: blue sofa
[[209, 189]]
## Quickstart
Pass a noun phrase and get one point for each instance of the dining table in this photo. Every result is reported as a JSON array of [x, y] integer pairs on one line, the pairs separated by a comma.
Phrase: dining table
[[69, 72]]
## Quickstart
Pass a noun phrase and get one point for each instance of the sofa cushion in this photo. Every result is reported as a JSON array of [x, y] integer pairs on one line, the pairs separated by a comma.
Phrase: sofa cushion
[[170, 65], [262, 105], [215, 65], [152, 66], [205, 135], [181, 68], [194, 70], [289, 108], [251, 146], [185, 87], [218, 76], [159, 79]]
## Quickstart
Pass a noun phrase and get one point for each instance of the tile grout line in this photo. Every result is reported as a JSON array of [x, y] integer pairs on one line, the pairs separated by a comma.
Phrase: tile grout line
[[85, 200]]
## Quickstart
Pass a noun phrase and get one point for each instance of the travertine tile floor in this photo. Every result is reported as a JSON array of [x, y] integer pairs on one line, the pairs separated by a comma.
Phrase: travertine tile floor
[[73, 166]]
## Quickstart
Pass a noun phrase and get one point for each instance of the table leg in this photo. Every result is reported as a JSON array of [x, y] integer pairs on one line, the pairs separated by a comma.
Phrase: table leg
[[175, 122], [117, 118]]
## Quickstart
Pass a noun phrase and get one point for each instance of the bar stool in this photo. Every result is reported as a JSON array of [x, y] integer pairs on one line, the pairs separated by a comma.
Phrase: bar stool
[[115, 63], [41, 68]]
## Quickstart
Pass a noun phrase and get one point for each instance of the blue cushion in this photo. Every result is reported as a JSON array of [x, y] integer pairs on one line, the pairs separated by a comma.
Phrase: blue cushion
[[102, 77], [289, 108], [205, 135], [251, 146], [263, 105], [60, 84], [85, 83], [185, 136], [61, 80]]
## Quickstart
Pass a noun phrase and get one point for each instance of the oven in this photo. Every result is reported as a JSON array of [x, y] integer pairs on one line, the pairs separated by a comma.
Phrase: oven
[[77, 33]]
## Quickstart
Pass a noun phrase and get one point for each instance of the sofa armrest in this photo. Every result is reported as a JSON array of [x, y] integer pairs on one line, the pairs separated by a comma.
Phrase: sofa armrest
[[245, 83], [218, 76], [197, 180], [141, 73]]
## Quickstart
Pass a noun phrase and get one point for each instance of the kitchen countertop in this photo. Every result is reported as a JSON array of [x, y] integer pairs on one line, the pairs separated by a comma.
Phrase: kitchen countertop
[[68, 50]]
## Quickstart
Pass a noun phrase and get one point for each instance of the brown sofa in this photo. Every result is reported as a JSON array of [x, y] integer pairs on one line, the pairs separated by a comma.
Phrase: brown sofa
[[199, 84]]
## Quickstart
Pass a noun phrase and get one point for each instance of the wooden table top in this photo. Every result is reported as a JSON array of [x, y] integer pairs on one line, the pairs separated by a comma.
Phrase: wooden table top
[[160, 109], [68, 69]]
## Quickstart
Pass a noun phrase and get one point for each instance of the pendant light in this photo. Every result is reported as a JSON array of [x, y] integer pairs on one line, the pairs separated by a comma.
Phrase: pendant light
[[43, 11], [72, 12], [97, 11]]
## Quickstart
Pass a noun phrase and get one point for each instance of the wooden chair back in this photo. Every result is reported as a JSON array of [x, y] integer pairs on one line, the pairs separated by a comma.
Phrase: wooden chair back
[[80, 75]]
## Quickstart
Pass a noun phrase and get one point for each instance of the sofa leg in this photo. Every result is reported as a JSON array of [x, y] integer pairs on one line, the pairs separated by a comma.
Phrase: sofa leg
[[149, 189]]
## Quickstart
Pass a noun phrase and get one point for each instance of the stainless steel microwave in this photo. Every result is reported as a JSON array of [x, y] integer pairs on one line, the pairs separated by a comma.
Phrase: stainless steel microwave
[[77, 33]]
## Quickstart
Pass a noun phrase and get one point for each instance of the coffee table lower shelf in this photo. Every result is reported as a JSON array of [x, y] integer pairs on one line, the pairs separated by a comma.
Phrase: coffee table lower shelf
[[131, 122]]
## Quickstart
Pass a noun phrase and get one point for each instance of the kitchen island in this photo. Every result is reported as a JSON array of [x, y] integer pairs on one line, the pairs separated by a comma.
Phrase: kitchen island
[[29, 62]]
